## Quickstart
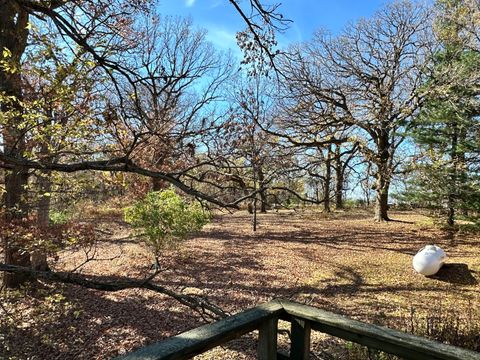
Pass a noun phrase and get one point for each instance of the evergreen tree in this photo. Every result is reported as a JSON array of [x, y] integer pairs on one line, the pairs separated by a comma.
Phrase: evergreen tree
[[447, 128]]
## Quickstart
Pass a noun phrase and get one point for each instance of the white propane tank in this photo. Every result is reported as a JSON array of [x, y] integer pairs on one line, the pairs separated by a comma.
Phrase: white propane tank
[[429, 260]]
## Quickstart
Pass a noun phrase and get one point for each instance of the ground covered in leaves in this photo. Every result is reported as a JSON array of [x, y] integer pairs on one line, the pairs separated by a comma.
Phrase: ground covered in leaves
[[343, 262]]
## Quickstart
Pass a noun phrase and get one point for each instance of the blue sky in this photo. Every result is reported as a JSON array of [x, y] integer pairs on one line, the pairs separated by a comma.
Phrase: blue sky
[[222, 22]]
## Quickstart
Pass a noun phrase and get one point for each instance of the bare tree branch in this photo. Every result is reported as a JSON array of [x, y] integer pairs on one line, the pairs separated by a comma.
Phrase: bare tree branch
[[196, 303]]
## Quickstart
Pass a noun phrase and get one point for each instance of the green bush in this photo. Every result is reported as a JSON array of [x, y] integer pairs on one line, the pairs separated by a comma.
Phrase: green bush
[[59, 217], [163, 219]]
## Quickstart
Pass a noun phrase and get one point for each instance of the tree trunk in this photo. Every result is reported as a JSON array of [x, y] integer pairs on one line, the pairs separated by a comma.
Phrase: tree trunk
[[13, 38], [39, 256], [450, 212], [381, 205], [382, 188], [462, 177], [15, 182], [254, 201], [263, 193], [366, 187], [339, 179], [383, 176], [328, 180], [44, 188], [367, 197], [15, 210], [453, 181]]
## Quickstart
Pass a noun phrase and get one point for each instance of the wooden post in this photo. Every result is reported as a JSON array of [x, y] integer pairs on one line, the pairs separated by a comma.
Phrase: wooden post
[[267, 340], [300, 348]]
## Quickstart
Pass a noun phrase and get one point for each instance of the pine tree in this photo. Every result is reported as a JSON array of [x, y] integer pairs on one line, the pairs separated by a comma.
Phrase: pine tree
[[447, 128]]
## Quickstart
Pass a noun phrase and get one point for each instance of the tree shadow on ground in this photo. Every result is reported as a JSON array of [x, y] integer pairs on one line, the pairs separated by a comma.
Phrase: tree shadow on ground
[[237, 269], [360, 239], [79, 323], [456, 273], [288, 228], [128, 319], [25, 343], [401, 221]]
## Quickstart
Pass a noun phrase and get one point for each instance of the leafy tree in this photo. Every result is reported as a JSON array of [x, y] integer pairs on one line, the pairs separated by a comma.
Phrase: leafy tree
[[460, 19], [112, 37], [163, 218]]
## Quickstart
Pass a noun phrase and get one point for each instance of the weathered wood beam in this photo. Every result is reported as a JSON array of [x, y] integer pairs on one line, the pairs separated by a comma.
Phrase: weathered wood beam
[[395, 342], [267, 340], [300, 348], [206, 337], [304, 319]]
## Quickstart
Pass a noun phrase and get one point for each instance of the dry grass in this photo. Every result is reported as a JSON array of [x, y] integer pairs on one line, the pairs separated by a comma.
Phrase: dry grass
[[341, 262]]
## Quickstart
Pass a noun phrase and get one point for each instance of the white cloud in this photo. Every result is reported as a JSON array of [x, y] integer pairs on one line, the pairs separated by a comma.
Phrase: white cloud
[[189, 3], [223, 39], [215, 3]]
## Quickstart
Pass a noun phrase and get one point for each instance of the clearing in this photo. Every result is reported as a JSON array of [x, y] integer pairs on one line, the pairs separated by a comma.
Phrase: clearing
[[342, 262]]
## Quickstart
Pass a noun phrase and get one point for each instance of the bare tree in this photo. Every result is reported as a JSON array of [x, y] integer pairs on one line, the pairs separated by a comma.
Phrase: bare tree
[[368, 78], [344, 154]]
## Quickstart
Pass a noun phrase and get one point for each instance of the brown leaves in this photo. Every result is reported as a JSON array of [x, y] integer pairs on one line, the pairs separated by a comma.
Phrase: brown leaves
[[27, 235], [341, 262]]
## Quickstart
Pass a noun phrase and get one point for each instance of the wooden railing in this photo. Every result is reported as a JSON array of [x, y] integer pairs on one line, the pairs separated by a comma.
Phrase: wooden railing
[[303, 319]]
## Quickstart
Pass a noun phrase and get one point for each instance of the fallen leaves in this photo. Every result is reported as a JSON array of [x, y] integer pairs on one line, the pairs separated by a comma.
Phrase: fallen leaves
[[341, 262]]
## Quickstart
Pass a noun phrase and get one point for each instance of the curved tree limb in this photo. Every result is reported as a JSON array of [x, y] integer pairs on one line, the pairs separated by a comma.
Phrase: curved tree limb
[[121, 164], [199, 304]]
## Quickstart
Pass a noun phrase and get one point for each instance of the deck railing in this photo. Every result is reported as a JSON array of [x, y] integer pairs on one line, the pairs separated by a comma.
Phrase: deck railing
[[303, 320]]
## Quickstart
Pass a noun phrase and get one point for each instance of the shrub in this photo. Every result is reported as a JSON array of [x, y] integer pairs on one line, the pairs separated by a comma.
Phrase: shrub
[[59, 217], [163, 219]]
